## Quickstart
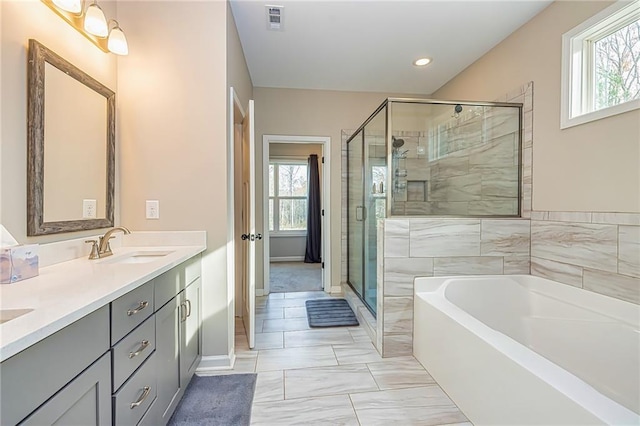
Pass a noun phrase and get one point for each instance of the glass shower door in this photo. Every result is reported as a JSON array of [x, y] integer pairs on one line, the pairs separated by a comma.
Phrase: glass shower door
[[355, 214]]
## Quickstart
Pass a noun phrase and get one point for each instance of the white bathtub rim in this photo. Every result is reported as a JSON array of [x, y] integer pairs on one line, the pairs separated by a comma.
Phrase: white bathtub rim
[[565, 382], [623, 310]]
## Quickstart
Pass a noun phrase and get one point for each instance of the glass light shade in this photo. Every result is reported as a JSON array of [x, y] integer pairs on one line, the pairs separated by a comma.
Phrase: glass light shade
[[95, 22], [118, 42], [72, 6]]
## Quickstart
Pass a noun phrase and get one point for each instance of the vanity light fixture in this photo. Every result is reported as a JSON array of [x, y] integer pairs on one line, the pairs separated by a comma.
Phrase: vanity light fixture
[[92, 23], [422, 62], [71, 6], [117, 42]]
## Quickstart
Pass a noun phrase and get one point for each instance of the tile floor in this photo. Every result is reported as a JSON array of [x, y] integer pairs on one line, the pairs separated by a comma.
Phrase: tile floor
[[332, 376]]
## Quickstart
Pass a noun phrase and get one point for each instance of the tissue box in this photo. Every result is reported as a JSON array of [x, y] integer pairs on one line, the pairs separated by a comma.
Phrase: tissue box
[[18, 263]]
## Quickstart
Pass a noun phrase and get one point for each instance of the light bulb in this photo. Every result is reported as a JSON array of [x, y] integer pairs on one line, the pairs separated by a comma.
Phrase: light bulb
[[71, 6], [421, 62], [117, 41], [94, 21]]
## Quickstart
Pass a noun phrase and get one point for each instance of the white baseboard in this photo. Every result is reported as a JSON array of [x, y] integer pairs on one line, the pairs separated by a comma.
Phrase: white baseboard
[[259, 292], [287, 259], [336, 289], [210, 364]]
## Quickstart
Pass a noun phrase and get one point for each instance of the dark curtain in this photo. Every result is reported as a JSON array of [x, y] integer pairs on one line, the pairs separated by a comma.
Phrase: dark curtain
[[314, 232]]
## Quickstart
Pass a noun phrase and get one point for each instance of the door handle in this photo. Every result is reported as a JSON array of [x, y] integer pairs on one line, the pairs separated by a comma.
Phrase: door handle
[[251, 237]]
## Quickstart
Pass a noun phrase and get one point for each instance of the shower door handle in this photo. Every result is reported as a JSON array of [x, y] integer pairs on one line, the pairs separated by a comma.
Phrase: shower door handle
[[360, 213]]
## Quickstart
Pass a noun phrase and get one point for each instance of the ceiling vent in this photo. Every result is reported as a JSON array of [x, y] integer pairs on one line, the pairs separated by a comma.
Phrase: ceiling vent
[[275, 17]]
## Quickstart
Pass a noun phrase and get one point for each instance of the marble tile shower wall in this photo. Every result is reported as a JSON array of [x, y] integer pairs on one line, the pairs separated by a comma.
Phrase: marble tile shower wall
[[421, 247], [476, 176]]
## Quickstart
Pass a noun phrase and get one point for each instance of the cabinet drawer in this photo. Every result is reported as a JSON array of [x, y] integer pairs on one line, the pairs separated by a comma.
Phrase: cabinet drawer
[[192, 270], [128, 311], [136, 395], [168, 285], [131, 351], [30, 377]]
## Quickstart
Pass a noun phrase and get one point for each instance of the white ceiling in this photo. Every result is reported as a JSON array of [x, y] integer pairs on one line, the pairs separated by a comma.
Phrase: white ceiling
[[369, 46]]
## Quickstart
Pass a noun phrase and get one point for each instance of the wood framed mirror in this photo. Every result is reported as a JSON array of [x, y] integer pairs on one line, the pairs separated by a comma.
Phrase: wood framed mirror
[[70, 147]]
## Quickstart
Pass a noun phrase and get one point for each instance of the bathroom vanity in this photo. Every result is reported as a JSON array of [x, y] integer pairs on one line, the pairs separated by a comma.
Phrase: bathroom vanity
[[110, 341]]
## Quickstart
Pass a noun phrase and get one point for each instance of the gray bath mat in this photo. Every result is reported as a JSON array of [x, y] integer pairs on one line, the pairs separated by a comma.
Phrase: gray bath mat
[[330, 313], [216, 400]]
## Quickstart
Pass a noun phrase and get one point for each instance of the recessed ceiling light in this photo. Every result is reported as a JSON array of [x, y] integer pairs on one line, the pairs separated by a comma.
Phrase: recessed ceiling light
[[422, 62]]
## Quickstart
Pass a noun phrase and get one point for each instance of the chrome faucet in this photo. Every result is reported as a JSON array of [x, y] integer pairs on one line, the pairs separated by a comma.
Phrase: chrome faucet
[[102, 248]]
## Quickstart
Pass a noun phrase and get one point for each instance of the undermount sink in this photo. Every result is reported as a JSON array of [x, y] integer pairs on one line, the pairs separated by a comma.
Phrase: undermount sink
[[9, 314], [139, 257]]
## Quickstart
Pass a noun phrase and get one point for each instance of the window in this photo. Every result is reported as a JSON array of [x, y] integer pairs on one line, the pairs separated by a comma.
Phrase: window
[[601, 65], [288, 196]]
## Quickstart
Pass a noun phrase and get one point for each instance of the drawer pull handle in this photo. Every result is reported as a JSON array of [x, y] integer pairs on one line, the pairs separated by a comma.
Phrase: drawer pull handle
[[188, 307], [143, 346], [140, 307], [145, 393]]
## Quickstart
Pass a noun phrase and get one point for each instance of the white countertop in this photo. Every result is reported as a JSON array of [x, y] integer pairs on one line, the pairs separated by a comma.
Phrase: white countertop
[[67, 291]]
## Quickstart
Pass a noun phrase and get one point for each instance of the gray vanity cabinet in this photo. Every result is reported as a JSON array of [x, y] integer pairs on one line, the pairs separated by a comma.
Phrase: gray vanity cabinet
[[84, 401], [190, 337], [167, 360], [127, 363], [178, 337], [58, 375]]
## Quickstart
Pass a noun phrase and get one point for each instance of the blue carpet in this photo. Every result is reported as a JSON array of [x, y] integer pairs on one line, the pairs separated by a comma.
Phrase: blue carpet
[[330, 313], [216, 400]]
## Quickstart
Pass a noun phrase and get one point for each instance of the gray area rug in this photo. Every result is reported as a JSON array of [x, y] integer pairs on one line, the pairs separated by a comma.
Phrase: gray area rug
[[330, 313], [294, 276], [216, 400]]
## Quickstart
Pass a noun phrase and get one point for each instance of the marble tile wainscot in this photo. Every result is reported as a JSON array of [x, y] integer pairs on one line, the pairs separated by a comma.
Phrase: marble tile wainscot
[[415, 247], [596, 251]]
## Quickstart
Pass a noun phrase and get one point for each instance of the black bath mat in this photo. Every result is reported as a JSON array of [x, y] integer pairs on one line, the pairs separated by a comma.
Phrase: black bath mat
[[330, 313]]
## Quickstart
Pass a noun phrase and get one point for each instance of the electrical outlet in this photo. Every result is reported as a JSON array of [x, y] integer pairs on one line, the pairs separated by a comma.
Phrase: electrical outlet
[[153, 209], [89, 209]]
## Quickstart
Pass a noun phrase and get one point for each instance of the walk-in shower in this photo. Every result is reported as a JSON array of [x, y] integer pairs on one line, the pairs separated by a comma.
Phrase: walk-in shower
[[421, 157]]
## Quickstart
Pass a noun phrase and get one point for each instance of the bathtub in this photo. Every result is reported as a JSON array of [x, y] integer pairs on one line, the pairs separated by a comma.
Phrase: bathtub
[[518, 349]]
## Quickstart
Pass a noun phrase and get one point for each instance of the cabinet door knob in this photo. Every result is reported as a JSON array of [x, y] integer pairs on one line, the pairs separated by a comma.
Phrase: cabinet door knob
[[140, 307], [143, 346], [145, 393]]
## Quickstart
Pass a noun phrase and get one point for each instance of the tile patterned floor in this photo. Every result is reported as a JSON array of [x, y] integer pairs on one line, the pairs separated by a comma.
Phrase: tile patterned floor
[[332, 376]]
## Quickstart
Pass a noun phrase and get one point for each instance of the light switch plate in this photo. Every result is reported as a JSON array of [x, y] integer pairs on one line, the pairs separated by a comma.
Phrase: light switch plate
[[153, 209], [89, 209]]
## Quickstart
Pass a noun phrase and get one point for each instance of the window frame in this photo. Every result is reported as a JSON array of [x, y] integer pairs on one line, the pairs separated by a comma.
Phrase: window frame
[[276, 232], [577, 95]]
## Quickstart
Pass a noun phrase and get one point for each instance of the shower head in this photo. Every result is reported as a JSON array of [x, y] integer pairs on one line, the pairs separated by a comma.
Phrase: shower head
[[397, 143]]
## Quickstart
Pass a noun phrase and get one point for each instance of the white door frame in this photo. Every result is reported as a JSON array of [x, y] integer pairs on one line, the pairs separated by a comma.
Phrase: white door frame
[[325, 141]]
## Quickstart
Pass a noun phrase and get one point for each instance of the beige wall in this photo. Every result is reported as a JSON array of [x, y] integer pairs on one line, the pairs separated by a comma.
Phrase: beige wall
[[298, 112], [591, 167], [20, 21], [173, 133]]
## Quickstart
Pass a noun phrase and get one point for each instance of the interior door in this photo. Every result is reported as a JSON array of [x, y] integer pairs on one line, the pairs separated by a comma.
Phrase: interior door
[[250, 237]]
